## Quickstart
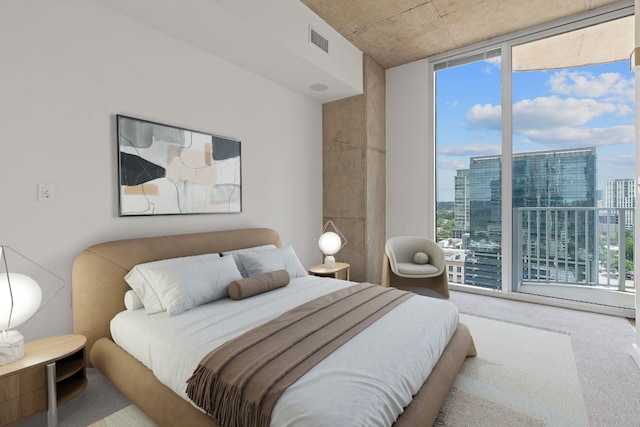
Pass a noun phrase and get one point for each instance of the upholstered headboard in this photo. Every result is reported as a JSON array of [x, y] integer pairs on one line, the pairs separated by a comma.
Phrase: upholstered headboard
[[98, 272]]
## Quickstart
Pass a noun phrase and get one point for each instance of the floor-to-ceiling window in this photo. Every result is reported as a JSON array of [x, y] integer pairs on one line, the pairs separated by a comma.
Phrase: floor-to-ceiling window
[[558, 160], [468, 179]]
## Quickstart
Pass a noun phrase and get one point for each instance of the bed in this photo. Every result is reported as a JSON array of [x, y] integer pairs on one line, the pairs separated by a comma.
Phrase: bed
[[99, 288]]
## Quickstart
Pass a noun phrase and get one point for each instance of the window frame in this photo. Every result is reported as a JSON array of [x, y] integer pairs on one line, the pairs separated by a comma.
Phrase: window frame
[[487, 48]]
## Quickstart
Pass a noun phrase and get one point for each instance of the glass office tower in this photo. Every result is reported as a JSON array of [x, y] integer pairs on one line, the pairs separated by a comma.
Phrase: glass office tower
[[558, 178], [461, 204]]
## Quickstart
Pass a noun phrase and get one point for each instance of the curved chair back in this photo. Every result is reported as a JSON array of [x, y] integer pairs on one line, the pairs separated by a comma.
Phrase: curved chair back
[[400, 270], [401, 250]]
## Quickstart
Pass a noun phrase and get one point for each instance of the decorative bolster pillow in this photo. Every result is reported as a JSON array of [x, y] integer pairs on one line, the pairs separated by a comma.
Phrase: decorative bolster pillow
[[260, 283], [132, 301]]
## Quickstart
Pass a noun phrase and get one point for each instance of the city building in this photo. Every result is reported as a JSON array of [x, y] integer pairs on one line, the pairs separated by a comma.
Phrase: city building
[[461, 204], [547, 179], [455, 264], [619, 194]]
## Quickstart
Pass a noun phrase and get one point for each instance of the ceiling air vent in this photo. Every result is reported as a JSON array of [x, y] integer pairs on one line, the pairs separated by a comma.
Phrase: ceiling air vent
[[318, 39]]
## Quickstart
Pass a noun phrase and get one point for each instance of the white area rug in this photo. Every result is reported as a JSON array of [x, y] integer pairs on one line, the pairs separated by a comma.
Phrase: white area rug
[[130, 416], [521, 377]]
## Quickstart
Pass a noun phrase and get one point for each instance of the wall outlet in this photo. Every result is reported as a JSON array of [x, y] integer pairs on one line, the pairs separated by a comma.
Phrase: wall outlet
[[45, 192]]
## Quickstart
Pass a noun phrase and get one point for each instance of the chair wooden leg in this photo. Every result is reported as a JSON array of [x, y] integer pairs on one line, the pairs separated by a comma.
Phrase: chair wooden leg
[[385, 271], [440, 284]]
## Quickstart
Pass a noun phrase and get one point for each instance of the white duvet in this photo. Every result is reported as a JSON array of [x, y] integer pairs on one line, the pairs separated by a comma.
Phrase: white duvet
[[368, 381]]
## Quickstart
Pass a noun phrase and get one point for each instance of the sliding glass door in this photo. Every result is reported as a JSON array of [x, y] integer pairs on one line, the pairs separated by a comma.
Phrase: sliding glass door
[[574, 165], [538, 198]]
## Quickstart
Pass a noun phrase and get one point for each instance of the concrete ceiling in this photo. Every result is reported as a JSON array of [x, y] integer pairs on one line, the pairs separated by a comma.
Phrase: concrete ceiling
[[597, 44], [395, 32]]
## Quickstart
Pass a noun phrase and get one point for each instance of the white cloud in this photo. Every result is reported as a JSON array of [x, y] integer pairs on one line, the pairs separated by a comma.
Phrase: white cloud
[[555, 112], [492, 64], [609, 86], [624, 110], [566, 118], [541, 113], [618, 161], [485, 116], [615, 166], [452, 163], [470, 150], [583, 137]]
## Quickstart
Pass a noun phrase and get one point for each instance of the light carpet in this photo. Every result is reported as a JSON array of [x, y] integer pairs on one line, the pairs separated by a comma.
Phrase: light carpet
[[522, 376], [130, 416]]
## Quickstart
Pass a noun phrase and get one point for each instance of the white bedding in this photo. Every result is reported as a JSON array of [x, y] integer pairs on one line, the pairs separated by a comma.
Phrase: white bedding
[[368, 381]]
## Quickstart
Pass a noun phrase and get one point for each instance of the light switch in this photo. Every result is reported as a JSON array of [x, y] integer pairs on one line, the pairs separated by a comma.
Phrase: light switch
[[45, 192]]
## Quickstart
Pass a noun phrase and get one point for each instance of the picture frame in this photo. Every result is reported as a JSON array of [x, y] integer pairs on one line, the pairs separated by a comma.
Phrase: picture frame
[[169, 170]]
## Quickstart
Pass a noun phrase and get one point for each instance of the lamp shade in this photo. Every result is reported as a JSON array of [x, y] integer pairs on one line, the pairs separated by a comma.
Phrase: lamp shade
[[26, 296], [329, 243]]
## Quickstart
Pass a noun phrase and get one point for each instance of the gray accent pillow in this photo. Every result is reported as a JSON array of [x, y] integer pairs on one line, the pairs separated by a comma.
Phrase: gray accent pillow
[[258, 284]]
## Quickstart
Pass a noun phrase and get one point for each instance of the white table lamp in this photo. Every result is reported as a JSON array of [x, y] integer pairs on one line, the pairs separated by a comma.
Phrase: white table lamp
[[330, 243], [20, 299]]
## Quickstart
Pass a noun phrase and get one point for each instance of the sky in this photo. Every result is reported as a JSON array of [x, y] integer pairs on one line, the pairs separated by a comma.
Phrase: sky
[[589, 106]]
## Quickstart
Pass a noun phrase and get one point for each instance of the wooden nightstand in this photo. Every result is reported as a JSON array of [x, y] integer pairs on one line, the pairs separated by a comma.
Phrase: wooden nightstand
[[52, 372], [340, 271]]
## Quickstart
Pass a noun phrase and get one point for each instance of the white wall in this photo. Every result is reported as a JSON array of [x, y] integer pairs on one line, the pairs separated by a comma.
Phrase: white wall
[[410, 174], [274, 35], [66, 69]]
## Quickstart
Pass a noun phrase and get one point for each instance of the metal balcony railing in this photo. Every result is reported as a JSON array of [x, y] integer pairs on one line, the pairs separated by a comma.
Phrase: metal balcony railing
[[580, 246]]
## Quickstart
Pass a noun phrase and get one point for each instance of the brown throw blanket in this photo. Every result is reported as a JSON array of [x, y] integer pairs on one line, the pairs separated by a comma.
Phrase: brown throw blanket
[[239, 383]]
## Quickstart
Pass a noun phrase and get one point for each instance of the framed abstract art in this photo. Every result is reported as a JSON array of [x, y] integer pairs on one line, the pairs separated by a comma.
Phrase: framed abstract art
[[167, 170]]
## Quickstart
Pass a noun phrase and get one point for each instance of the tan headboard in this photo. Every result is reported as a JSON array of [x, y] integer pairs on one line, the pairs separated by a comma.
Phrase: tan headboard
[[98, 272]]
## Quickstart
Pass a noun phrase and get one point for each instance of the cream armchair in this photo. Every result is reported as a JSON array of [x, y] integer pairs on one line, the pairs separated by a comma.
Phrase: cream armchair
[[405, 264]]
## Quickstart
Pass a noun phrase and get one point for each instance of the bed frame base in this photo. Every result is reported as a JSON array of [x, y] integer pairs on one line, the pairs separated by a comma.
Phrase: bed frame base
[[98, 295], [166, 408]]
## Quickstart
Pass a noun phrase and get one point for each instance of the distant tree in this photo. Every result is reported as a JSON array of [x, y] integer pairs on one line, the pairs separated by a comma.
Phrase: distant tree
[[448, 206], [444, 222]]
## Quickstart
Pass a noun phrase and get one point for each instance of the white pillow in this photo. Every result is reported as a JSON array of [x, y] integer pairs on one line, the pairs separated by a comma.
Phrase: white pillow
[[137, 279], [246, 250], [272, 260], [132, 301], [180, 284]]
